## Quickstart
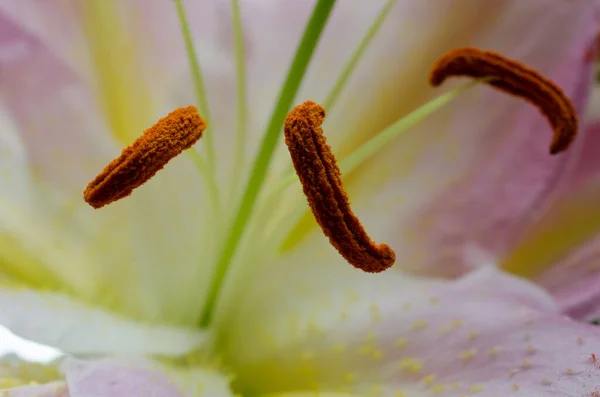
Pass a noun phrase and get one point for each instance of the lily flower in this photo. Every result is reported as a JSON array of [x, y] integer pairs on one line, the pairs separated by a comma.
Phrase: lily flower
[[212, 278]]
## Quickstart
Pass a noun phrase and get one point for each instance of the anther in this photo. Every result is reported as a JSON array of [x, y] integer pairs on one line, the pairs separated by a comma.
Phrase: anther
[[321, 181], [517, 79], [137, 163]]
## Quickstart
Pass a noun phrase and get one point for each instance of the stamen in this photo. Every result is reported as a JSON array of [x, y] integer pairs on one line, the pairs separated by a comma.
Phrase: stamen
[[517, 79], [137, 163], [321, 181]]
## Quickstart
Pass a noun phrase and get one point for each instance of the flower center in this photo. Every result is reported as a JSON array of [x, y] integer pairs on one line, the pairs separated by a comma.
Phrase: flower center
[[313, 160]]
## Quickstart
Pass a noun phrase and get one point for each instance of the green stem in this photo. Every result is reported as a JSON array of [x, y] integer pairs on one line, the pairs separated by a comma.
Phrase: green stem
[[358, 52], [295, 75], [199, 87], [242, 112]]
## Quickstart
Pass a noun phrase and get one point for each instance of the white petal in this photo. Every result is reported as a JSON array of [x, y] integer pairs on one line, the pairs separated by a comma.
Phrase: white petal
[[56, 320]]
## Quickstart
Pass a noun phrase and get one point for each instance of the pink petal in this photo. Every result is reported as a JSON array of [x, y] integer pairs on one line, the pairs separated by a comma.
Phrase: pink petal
[[575, 281], [486, 334], [569, 269], [574, 277], [52, 108], [456, 191], [587, 166], [116, 379]]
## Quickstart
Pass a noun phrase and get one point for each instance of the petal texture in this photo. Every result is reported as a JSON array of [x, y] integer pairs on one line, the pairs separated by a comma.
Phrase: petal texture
[[113, 378], [486, 334]]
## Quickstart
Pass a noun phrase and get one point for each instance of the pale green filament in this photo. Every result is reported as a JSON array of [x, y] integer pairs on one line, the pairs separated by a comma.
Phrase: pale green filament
[[199, 88], [372, 146], [242, 112], [272, 135], [206, 169], [353, 61]]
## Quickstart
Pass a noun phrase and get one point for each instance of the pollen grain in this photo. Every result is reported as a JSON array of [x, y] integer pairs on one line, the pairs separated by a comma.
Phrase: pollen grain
[[321, 181], [517, 79], [138, 162]]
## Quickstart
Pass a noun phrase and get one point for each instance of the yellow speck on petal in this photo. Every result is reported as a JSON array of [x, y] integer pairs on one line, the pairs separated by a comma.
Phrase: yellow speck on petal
[[419, 324], [377, 354], [527, 336], [314, 328], [350, 377], [530, 349], [435, 389], [472, 336], [580, 340], [410, 364], [493, 351], [371, 336], [400, 343], [344, 315], [445, 328], [376, 390], [375, 313], [353, 296], [525, 364], [546, 382], [457, 323], [570, 371], [434, 301], [400, 393], [511, 372], [468, 354], [476, 388], [366, 349], [7, 383], [406, 306], [429, 379], [516, 387], [455, 386]]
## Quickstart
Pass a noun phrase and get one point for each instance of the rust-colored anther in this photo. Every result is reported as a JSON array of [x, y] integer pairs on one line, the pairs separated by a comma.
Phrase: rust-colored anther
[[137, 163], [517, 79], [322, 184]]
